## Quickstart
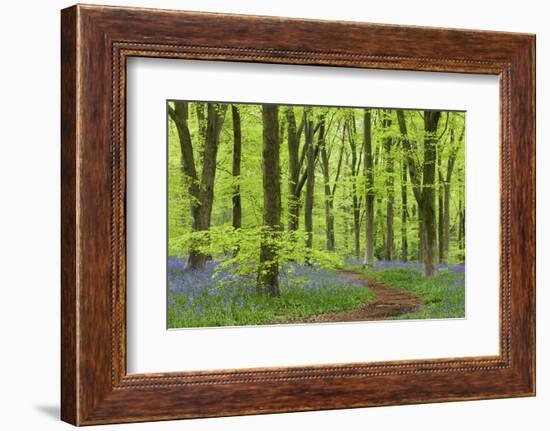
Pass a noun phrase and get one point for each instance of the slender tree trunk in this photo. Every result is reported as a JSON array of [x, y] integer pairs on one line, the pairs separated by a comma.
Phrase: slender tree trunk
[[440, 198], [368, 167], [463, 228], [329, 198], [446, 223], [461, 224], [421, 244], [356, 224], [440, 217], [389, 191], [380, 228], [310, 182], [268, 273], [201, 119], [356, 207], [293, 141], [459, 227], [431, 120], [414, 177], [447, 196], [346, 228], [236, 171], [404, 244], [329, 215]]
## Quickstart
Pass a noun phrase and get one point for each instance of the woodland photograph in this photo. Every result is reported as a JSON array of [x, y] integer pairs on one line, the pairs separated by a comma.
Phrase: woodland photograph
[[287, 214]]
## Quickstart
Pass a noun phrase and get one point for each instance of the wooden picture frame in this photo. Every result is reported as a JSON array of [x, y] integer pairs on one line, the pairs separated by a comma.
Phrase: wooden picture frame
[[95, 43]]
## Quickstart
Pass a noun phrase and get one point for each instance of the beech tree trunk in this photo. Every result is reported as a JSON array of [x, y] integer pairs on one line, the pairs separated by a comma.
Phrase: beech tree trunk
[[329, 206], [356, 206], [329, 191], [310, 183], [201, 117], [404, 213], [293, 141], [236, 171], [440, 215], [356, 225], [389, 190], [424, 189], [268, 272], [446, 223], [368, 167], [462, 227], [431, 120], [447, 195], [420, 237], [201, 190]]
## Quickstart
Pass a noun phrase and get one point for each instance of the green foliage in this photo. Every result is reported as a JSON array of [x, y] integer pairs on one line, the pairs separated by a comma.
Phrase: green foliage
[[340, 123], [238, 250]]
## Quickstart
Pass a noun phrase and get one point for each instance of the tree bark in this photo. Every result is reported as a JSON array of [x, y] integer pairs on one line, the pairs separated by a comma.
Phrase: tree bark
[[236, 168], [356, 207], [356, 225], [462, 227], [446, 223], [447, 189], [440, 212], [201, 119], [346, 229], [201, 192], [424, 191], [431, 120], [329, 191], [414, 177], [311, 156], [420, 236], [268, 272], [459, 226], [236, 171], [368, 167], [404, 213], [388, 255], [293, 141]]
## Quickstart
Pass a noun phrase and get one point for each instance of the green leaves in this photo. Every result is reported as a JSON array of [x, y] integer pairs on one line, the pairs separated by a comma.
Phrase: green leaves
[[238, 250], [342, 125]]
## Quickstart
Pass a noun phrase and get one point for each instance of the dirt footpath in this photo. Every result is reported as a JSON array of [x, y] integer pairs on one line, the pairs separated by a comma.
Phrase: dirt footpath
[[388, 302]]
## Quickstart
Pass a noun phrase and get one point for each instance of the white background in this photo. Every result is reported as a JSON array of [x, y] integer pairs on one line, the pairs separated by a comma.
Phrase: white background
[[151, 348], [29, 220]]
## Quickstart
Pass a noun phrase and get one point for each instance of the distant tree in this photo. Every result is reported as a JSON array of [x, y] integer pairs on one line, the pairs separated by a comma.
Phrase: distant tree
[[404, 212], [454, 147], [312, 150], [355, 152], [329, 189], [388, 148], [368, 171], [295, 163], [236, 167]]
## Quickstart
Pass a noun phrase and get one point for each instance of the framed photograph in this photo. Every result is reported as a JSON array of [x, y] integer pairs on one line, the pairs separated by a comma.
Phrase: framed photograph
[[264, 215]]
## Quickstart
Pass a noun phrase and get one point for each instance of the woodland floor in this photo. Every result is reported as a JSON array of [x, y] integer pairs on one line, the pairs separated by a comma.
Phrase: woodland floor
[[388, 302]]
